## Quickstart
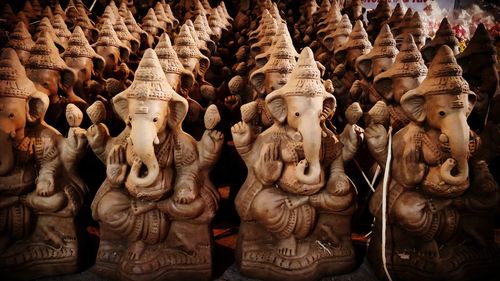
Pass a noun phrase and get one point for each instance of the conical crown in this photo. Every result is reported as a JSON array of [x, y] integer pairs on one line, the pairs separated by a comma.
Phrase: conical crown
[[480, 43], [45, 25], [44, 54], [185, 45], [444, 76], [305, 79], [150, 82], [358, 39], [13, 80], [60, 27], [167, 56], [20, 38], [330, 23], [409, 61], [385, 45], [108, 36], [78, 46], [444, 35], [343, 28]]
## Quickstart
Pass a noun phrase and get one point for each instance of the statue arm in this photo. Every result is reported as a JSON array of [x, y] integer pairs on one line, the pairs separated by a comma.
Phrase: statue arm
[[269, 166], [187, 183], [47, 155]]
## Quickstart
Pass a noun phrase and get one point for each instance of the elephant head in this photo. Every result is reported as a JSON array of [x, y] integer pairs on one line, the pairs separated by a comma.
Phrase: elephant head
[[82, 58], [339, 36], [189, 54], [178, 77], [380, 58], [109, 47], [49, 72], [152, 110], [357, 45], [21, 104], [302, 106], [407, 72], [442, 102]]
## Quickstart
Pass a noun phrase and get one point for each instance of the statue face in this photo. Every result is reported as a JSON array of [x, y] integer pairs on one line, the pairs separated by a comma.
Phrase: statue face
[[275, 80], [46, 80], [82, 66]]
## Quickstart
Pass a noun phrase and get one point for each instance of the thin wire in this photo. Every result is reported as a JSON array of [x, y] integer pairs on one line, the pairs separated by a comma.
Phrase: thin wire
[[384, 203], [364, 176]]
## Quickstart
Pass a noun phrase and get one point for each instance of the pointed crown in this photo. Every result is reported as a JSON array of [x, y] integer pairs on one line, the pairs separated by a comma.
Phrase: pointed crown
[[44, 54], [167, 56], [13, 79], [20, 38], [108, 36], [78, 45]]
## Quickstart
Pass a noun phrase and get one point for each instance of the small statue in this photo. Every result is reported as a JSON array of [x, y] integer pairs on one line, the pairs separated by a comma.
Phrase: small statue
[[444, 36], [440, 199], [297, 201], [87, 63], [377, 18], [407, 72], [20, 40], [157, 201], [40, 191], [478, 62]]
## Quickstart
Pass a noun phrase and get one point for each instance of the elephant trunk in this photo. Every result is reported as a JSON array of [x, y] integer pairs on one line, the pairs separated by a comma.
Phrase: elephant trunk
[[143, 135], [455, 171], [6, 152], [311, 136]]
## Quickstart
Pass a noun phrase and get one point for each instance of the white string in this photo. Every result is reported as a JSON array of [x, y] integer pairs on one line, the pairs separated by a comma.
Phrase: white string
[[92, 7], [384, 203], [377, 173], [487, 114], [364, 176]]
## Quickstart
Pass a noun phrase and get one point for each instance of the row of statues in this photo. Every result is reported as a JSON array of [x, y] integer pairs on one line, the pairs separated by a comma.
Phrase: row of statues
[[156, 104]]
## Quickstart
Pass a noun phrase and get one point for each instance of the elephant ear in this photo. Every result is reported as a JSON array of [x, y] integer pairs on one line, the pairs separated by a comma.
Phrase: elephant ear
[[364, 66], [472, 97], [120, 105], [383, 85], [124, 54], [203, 65], [36, 106], [258, 79], [413, 105], [187, 82], [68, 78], [98, 65], [277, 106], [329, 107], [178, 108], [340, 55], [328, 42]]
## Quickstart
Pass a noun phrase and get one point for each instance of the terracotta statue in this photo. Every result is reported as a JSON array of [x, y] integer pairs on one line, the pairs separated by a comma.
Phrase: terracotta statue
[[53, 77], [20, 40], [114, 52], [415, 27], [395, 19], [40, 191], [296, 203], [377, 18], [189, 54], [368, 66], [478, 62], [152, 26], [441, 199], [61, 29], [336, 38], [82, 20], [444, 36], [407, 72], [46, 25], [157, 202], [272, 76]]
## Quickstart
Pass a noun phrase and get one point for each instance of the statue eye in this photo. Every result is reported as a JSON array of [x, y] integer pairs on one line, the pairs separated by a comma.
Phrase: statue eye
[[442, 113], [11, 116], [155, 119], [297, 114]]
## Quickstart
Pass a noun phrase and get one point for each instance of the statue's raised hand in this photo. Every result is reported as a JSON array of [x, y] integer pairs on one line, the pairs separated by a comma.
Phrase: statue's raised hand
[[269, 165], [116, 168]]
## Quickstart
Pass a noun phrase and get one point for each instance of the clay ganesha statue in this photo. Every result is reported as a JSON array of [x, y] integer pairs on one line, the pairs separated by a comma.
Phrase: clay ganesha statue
[[157, 201], [441, 199], [40, 193], [296, 203]]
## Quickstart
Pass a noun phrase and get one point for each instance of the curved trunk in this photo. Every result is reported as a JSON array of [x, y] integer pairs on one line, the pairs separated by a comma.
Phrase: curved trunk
[[6, 153], [456, 170], [143, 135], [311, 137]]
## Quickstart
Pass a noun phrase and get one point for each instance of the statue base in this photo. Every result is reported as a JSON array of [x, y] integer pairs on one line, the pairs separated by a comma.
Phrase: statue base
[[317, 255], [39, 255], [169, 260]]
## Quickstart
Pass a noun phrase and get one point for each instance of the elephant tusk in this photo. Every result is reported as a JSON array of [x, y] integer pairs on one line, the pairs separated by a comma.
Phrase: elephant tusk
[[156, 140]]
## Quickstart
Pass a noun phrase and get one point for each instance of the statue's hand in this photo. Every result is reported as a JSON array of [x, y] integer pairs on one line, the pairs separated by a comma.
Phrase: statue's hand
[[351, 138], [116, 168], [210, 147], [270, 164], [45, 185], [77, 139], [242, 134], [232, 102], [376, 139], [185, 193], [97, 136]]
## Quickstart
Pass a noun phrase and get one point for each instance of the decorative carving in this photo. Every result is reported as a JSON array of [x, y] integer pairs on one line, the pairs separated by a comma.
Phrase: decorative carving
[[40, 191], [297, 201], [157, 201], [440, 197]]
